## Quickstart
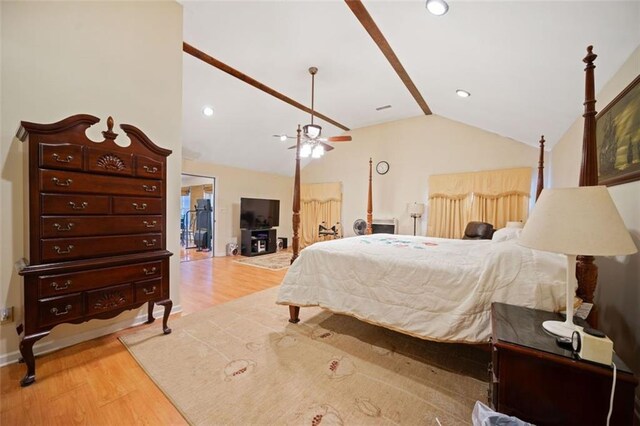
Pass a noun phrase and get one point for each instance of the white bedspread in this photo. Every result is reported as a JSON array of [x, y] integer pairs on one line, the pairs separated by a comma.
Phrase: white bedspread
[[433, 288]]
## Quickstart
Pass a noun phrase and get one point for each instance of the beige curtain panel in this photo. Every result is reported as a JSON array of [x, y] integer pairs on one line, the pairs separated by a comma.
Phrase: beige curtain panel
[[319, 202], [448, 216], [498, 210], [494, 196]]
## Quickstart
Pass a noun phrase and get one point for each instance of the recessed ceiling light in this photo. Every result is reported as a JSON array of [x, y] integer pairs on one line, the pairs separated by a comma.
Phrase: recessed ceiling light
[[207, 111], [463, 93], [437, 7], [383, 107]]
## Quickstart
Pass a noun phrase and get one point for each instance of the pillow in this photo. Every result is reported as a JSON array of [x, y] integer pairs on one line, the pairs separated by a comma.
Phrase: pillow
[[506, 234]]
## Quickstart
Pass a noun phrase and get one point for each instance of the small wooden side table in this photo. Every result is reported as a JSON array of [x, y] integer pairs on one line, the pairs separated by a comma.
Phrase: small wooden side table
[[536, 380]]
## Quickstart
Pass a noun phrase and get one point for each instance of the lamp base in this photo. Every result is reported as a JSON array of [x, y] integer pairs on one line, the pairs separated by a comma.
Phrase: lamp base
[[559, 328]]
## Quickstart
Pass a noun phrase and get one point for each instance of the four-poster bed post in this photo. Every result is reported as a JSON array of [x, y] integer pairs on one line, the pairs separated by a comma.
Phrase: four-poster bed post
[[586, 270], [370, 202], [294, 311], [295, 243], [540, 169]]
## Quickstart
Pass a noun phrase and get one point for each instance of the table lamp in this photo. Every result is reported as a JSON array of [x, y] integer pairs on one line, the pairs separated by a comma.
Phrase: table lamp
[[575, 221], [415, 211]]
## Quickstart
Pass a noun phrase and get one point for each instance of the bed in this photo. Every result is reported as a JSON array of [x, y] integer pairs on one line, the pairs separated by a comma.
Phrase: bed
[[436, 289]]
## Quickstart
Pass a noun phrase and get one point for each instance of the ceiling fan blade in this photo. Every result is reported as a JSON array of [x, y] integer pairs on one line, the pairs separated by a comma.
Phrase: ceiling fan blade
[[339, 139], [326, 146]]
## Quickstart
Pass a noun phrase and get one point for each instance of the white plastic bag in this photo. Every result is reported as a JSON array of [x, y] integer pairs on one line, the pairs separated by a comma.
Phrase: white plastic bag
[[485, 416]]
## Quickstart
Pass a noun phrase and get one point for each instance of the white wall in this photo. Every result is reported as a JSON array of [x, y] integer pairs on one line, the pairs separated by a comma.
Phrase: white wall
[[102, 58], [233, 183], [415, 148], [618, 291]]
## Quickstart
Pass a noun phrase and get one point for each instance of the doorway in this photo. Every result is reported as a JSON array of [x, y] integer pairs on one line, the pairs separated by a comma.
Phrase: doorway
[[197, 217]]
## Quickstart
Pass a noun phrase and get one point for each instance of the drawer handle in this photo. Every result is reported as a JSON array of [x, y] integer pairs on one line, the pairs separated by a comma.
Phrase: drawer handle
[[60, 251], [151, 188], [150, 169], [149, 225], [62, 160], [61, 229], [58, 182], [57, 313], [142, 206], [147, 292], [150, 271], [64, 286], [149, 244], [83, 205]]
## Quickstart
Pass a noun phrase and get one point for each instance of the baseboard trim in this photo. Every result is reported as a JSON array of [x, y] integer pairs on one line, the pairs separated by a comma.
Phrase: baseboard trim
[[55, 344]]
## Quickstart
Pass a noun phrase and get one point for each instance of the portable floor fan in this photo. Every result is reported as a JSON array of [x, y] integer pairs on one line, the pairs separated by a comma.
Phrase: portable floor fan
[[312, 144], [360, 227]]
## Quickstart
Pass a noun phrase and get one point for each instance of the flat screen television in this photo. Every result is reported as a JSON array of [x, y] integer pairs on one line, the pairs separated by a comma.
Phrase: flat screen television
[[258, 213]]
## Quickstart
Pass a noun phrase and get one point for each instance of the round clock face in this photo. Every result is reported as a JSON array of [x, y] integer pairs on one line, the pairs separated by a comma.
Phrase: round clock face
[[382, 167]]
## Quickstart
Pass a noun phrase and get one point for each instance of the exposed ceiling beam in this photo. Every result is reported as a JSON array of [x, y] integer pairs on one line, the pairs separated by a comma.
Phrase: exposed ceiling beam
[[187, 48], [367, 22]]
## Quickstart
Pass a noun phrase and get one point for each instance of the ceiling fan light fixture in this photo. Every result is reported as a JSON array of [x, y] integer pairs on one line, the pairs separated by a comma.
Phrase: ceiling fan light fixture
[[305, 150], [318, 151], [312, 131], [437, 7], [283, 138], [463, 93]]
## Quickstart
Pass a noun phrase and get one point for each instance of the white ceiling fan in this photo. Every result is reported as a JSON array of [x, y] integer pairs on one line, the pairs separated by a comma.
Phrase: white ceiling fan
[[312, 143]]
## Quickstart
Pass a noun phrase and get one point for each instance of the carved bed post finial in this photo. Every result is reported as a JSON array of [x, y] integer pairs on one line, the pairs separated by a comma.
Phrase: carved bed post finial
[[586, 270], [109, 134], [589, 167], [296, 201], [540, 168], [369, 230]]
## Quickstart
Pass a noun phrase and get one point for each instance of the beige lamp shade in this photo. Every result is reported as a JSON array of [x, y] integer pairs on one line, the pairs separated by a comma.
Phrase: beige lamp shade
[[416, 209], [577, 221]]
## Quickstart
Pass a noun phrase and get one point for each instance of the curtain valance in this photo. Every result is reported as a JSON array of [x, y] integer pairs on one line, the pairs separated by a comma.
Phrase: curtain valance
[[321, 192], [488, 183]]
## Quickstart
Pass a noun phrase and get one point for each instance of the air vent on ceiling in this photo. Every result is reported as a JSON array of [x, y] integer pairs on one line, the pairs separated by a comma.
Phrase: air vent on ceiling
[[383, 107]]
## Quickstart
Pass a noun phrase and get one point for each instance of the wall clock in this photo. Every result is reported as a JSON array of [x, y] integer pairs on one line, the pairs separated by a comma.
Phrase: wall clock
[[382, 167]]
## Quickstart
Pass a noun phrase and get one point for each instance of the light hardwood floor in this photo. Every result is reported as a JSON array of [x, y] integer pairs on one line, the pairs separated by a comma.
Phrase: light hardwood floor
[[98, 382]]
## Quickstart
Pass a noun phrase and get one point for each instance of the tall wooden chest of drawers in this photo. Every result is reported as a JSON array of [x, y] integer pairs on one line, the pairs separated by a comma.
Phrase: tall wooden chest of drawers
[[97, 228]]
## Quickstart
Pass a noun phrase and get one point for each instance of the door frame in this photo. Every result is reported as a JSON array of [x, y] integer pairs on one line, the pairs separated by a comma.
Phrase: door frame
[[214, 201]]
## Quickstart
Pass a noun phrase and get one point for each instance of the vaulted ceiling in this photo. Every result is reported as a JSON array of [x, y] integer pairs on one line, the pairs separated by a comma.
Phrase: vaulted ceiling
[[520, 60]]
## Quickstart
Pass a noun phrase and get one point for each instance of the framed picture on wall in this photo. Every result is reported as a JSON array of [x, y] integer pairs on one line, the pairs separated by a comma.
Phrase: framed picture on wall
[[618, 138]]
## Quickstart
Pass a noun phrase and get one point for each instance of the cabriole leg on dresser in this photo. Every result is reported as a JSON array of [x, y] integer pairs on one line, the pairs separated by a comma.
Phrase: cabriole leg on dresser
[[26, 350], [168, 304], [150, 317]]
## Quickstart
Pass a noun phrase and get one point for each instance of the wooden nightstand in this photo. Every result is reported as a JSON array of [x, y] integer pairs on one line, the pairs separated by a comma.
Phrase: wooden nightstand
[[540, 382]]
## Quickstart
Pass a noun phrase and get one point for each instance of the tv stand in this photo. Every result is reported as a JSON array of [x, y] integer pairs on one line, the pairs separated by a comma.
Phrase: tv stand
[[256, 242]]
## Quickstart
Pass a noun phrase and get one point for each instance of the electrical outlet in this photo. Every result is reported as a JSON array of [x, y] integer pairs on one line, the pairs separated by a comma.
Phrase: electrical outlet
[[6, 315]]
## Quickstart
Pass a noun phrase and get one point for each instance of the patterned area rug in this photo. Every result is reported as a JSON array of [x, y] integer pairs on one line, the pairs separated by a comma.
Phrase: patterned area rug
[[242, 363], [274, 261]]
